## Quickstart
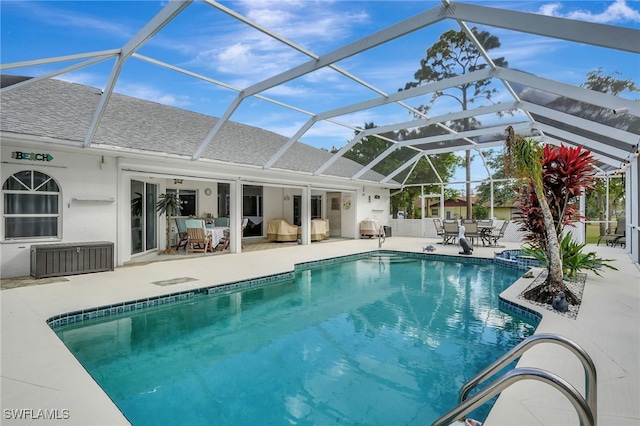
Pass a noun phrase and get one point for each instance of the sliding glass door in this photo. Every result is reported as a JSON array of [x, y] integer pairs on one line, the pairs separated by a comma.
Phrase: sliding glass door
[[144, 220], [252, 210]]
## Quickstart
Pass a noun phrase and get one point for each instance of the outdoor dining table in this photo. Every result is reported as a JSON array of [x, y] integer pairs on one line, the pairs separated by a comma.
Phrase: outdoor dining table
[[217, 233], [485, 232]]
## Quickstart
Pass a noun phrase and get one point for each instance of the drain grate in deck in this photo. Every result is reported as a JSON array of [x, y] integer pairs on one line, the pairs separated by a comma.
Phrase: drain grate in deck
[[174, 281]]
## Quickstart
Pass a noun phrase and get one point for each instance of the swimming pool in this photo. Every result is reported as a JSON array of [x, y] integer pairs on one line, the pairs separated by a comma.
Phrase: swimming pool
[[378, 340]]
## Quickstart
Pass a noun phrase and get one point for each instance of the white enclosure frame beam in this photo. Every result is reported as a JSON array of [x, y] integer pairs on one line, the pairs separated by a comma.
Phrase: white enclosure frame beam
[[46, 61], [613, 153], [609, 36], [70, 68]]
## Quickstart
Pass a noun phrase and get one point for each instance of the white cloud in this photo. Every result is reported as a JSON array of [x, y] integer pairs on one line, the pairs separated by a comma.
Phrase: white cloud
[[143, 91], [68, 19], [85, 78], [136, 90], [618, 11], [289, 90], [244, 52], [290, 18]]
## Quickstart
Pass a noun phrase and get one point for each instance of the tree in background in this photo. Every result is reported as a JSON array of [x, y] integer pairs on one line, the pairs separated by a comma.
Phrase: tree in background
[[452, 55], [596, 198], [503, 190], [370, 147]]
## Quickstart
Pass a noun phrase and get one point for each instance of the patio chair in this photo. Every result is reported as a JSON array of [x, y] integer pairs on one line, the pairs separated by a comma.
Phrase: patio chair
[[619, 232], [319, 229], [494, 236], [282, 231], [622, 241], [439, 228], [198, 240], [221, 222], [471, 230], [450, 231], [181, 225]]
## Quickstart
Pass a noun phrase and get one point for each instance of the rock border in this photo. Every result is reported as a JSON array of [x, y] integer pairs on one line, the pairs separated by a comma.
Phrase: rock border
[[576, 286]]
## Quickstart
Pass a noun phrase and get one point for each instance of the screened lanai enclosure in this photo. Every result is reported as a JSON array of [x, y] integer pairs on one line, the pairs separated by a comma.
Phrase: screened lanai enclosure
[[424, 101]]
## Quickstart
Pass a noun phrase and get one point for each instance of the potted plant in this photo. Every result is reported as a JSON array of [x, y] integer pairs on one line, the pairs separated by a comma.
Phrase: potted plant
[[574, 259], [169, 204]]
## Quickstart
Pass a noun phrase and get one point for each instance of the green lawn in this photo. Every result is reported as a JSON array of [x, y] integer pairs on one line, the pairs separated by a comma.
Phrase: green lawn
[[593, 233]]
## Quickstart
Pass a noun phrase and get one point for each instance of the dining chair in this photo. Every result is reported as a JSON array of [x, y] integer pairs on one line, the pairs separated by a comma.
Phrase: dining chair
[[496, 235], [471, 230], [198, 241], [181, 225], [450, 231], [439, 228]]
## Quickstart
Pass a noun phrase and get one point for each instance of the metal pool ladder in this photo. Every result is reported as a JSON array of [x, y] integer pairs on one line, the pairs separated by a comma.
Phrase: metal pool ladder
[[586, 407], [382, 237]]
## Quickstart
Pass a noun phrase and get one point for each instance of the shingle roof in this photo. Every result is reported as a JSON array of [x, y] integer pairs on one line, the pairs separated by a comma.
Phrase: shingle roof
[[64, 111]]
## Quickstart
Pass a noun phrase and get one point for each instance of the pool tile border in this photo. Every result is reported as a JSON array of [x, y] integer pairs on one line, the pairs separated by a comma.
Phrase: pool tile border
[[520, 310], [133, 305], [148, 302]]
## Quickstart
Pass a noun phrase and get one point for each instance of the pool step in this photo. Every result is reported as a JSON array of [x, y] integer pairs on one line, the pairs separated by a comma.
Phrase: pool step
[[390, 258]]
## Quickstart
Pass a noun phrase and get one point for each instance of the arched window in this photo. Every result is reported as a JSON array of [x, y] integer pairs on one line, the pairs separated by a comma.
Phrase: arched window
[[31, 206]]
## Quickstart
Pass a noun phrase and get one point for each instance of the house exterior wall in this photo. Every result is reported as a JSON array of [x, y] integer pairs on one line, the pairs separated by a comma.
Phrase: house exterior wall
[[95, 195], [503, 213], [88, 201]]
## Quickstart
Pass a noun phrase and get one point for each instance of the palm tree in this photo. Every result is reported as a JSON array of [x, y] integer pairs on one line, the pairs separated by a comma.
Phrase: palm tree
[[523, 158], [169, 204]]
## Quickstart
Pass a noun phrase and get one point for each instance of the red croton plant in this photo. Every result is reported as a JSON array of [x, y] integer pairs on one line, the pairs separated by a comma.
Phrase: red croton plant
[[566, 174]]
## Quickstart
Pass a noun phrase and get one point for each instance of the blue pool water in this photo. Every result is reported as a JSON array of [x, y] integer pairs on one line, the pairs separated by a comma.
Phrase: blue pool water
[[382, 340]]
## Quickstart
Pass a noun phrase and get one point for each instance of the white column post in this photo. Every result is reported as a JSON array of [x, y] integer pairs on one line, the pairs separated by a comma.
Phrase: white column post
[[235, 213], [305, 216]]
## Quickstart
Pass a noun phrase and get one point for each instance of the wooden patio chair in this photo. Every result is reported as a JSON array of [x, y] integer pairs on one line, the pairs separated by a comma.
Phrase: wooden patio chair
[[181, 225], [198, 241]]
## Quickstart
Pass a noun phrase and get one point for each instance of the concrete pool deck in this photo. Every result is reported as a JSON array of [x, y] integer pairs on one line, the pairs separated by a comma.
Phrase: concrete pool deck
[[40, 378]]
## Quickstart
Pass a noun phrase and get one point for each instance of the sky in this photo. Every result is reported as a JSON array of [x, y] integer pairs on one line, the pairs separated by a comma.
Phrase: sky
[[206, 41]]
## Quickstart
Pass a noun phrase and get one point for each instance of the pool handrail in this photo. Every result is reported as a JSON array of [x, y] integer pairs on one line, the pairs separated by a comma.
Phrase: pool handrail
[[591, 391], [585, 414], [382, 237]]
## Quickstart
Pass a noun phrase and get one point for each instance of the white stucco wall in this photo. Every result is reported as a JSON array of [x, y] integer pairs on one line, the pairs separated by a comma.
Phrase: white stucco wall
[[86, 214], [95, 202]]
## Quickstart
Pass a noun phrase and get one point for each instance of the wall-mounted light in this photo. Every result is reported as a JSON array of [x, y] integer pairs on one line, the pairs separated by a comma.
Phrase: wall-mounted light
[[102, 163], [287, 198], [178, 181]]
